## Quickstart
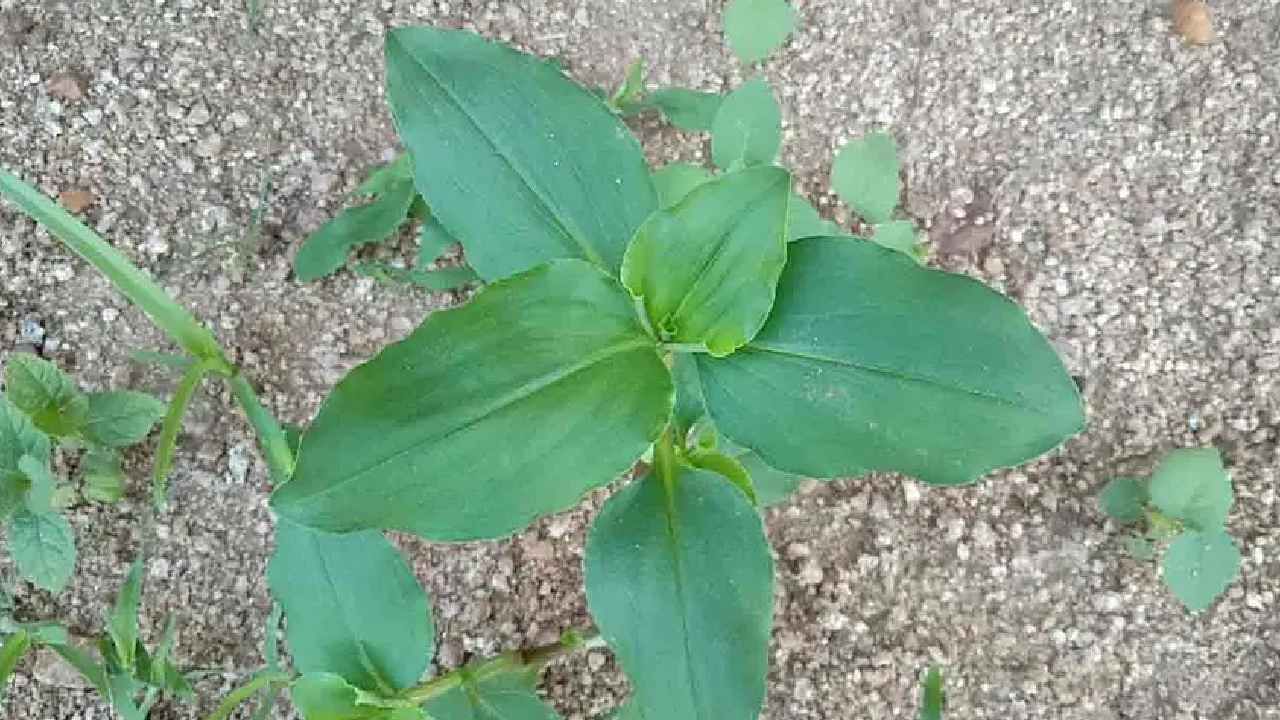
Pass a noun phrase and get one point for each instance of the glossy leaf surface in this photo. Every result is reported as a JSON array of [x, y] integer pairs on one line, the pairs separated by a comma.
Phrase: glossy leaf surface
[[488, 415], [354, 608], [707, 267], [680, 582], [869, 362], [490, 127]]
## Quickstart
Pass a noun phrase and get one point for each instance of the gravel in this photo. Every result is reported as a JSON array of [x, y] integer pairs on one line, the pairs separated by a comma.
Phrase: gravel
[[1120, 183]]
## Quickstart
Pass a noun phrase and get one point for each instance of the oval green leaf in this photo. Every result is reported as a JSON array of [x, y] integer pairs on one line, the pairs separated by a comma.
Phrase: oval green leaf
[[748, 127], [865, 175], [1198, 567], [488, 415], [869, 362], [707, 268], [354, 607], [122, 418], [680, 583], [755, 28], [44, 548], [1191, 485], [486, 124], [1124, 499]]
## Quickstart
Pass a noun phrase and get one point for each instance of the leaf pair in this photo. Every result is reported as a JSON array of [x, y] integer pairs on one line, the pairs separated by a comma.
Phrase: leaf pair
[[1191, 494]]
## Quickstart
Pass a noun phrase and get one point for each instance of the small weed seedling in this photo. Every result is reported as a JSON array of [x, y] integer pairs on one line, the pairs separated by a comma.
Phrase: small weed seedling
[[1184, 503], [706, 320], [932, 698]]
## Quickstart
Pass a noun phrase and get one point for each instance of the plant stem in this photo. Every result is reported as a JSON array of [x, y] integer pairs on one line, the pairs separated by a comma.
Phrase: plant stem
[[664, 459], [171, 317], [246, 691], [533, 659]]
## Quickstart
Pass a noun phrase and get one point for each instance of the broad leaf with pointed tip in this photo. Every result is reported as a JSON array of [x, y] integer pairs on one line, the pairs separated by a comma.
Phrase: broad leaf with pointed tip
[[490, 127], [870, 362], [707, 267], [680, 582], [353, 606], [488, 415]]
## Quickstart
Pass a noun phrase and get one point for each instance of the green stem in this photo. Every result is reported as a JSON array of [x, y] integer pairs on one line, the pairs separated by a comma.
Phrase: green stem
[[246, 691], [171, 317], [664, 459], [128, 279], [271, 437], [534, 659]]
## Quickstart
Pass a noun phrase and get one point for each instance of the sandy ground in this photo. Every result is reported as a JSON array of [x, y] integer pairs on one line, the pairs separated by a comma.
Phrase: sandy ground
[[1129, 192]]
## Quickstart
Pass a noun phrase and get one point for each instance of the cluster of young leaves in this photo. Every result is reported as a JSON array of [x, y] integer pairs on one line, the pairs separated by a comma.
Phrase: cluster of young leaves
[[1184, 503], [393, 202], [42, 406], [625, 315], [131, 677]]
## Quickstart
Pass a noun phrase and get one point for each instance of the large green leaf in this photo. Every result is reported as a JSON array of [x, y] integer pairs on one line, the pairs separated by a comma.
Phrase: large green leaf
[[869, 362], [517, 161], [865, 175], [354, 607], [489, 415], [506, 696], [1198, 566], [755, 28], [44, 547], [51, 399], [1192, 485], [680, 582], [707, 267], [748, 127], [121, 419]]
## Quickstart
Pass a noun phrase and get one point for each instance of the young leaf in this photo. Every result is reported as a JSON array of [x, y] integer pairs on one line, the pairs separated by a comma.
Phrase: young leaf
[[486, 124], [325, 250], [38, 388], [83, 662], [755, 28], [325, 696], [690, 407], [631, 90], [728, 467], [15, 646], [19, 437], [1140, 548], [900, 235], [438, 280], [932, 698], [122, 625], [554, 357], [385, 177], [748, 127], [707, 268], [47, 633], [690, 110], [806, 222], [102, 475], [1124, 499], [120, 419], [679, 580], [506, 696], [772, 486], [1192, 485], [675, 181], [44, 548], [865, 176], [354, 607], [870, 362], [433, 240], [1199, 565]]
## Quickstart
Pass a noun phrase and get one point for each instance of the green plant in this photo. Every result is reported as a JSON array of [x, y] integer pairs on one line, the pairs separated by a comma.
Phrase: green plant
[[678, 324], [1184, 503], [932, 697], [41, 409]]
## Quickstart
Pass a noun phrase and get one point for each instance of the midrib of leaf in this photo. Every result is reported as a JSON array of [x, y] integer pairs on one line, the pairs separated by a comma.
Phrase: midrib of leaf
[[896, 375], [519, 394], [669, 481], [365, 660], [739, 218], [581, 244]]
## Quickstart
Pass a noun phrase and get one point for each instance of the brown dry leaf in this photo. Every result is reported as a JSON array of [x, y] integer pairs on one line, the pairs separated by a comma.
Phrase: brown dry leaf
[[1192, 21], [67, 86], [76, 201]]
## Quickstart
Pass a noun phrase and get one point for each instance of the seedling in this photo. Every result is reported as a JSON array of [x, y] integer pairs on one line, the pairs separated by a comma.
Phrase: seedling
[[40, 409], [932, 698], [679, 316], [1185, 504]]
